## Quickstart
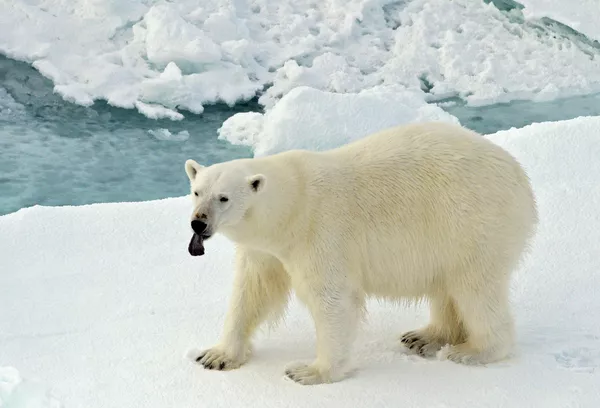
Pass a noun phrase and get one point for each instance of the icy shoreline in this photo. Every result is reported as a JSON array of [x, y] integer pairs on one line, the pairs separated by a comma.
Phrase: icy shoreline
[[166, 59]]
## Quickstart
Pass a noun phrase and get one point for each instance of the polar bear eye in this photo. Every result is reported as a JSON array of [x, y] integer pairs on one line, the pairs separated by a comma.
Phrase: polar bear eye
[[223, 199], [196, 193]]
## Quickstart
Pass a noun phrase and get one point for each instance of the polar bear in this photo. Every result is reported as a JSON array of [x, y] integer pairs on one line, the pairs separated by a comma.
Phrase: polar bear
[[420, 211]]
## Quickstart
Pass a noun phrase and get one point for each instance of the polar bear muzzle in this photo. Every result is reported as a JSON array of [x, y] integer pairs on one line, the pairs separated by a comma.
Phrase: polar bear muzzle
[[196, 246], [201, 232]]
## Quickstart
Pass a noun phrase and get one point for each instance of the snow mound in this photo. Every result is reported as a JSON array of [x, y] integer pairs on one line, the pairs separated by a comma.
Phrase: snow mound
[[582, 16], [180, 55], [305, 118], [103, 302], [17, 393]]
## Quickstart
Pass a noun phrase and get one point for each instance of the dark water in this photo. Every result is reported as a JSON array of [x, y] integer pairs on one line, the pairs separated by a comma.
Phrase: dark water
[[53, 152], [492, 118]]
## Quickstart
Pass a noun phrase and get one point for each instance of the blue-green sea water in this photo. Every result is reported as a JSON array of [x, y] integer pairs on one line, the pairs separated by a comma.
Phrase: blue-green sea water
[[53, 152]]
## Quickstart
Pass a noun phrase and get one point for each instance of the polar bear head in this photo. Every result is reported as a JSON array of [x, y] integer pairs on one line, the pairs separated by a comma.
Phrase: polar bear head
[[222, 195]]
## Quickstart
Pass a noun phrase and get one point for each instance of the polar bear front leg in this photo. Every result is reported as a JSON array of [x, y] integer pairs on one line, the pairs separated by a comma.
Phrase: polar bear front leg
[[260, 292], [336, 311]]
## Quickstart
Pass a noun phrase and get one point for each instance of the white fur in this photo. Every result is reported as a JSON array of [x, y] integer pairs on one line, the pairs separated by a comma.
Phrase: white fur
[[429, 211]]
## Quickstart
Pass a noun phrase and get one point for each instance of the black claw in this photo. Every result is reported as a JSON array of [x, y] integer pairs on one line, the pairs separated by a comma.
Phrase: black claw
[[411, 341], [222, 365], [406, 337], [409, 338], [200, 357]]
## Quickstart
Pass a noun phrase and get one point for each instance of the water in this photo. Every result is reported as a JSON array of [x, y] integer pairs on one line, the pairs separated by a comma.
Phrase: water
[[502, 116], [56, 153]]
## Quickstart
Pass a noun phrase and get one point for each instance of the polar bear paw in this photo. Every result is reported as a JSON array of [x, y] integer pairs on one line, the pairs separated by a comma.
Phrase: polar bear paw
[[218, 359], [307, 374], [422, 342], [465, 354]]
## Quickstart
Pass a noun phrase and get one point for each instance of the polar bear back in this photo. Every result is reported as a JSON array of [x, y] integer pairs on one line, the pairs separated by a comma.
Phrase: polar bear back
[[405, 210], [431, 201]]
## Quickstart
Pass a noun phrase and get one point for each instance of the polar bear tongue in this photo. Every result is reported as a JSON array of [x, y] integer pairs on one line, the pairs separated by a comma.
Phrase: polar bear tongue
[[196, 246]]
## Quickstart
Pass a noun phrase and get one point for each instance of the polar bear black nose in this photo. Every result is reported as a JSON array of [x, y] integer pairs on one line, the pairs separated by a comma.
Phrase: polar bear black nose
[[198, 226]]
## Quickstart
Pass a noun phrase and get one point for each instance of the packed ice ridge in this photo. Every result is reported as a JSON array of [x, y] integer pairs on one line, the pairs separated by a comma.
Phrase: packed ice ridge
[[313, 111], [581, 16], [167, 57]]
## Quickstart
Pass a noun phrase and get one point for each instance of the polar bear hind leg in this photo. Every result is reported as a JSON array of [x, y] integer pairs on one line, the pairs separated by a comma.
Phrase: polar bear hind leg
[[485, 313], [445, 327]]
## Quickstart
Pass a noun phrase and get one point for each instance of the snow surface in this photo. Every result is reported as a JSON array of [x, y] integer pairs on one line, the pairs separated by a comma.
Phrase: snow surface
[[161, 56], [101, 303], [15, 392], [582, 16]]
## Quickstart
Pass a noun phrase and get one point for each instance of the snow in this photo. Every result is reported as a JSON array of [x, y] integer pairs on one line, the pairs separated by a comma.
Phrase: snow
[[582, 17], [166, 135], [154, 111], [303, 118], [101, 303], [15, 392], [164, 58]]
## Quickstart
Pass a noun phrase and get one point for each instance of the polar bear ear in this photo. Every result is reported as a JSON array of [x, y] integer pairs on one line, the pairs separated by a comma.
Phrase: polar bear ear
[[257, 182], [192, 168]]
